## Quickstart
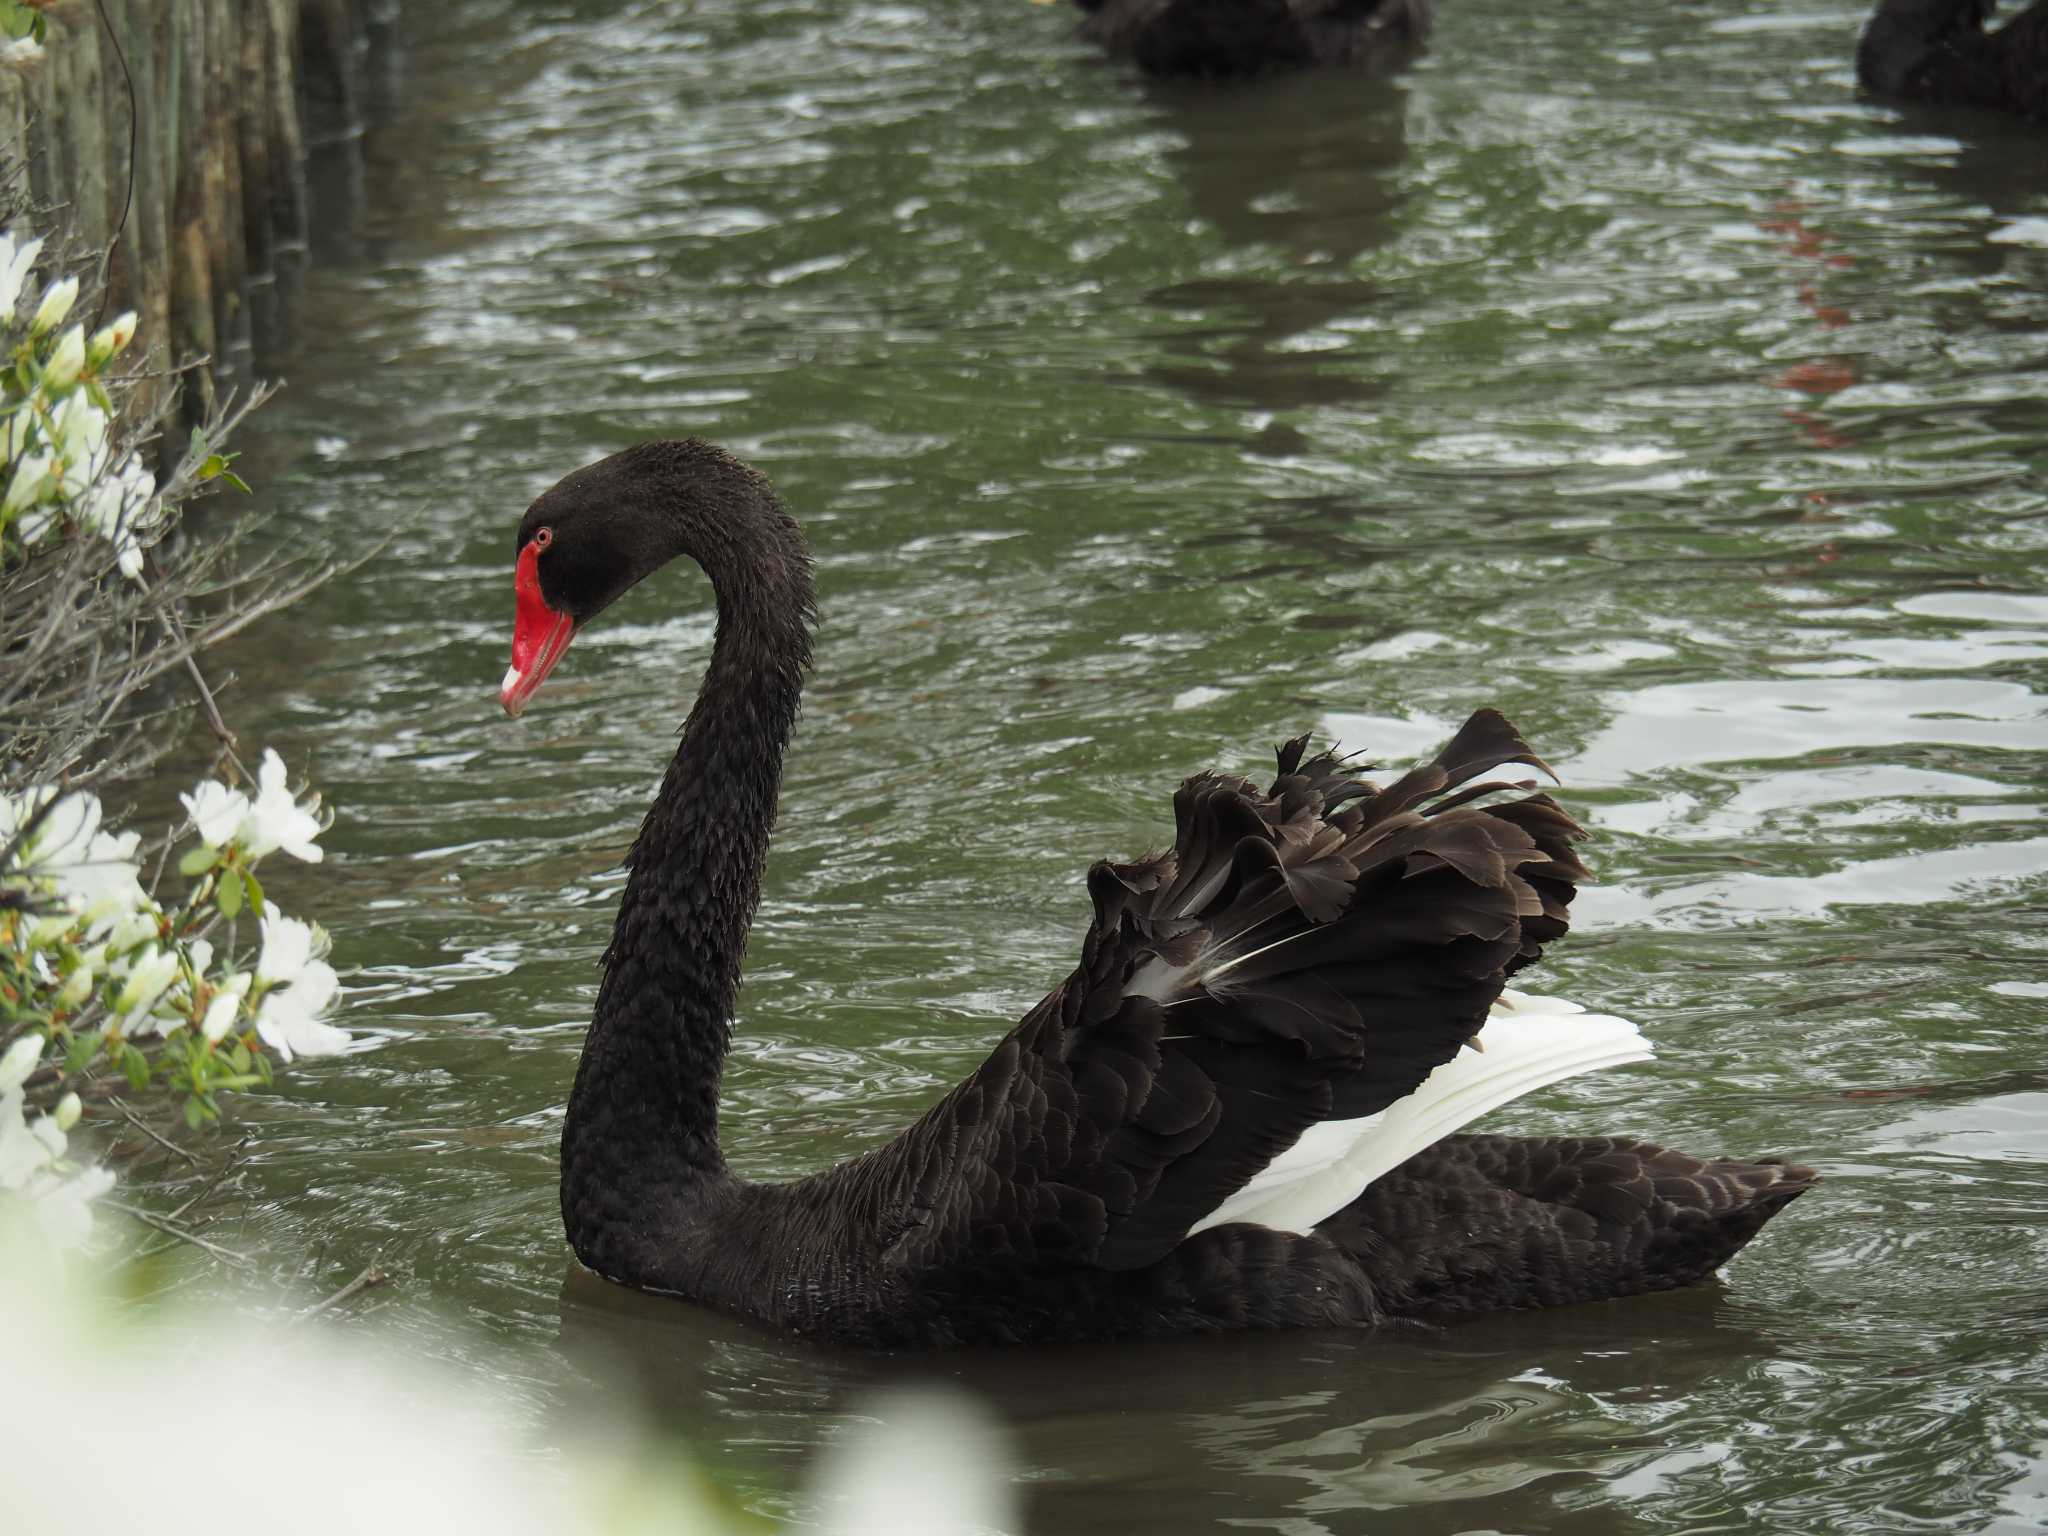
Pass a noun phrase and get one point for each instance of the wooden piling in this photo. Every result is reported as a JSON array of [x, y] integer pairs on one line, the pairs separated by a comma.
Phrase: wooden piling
[[221, 94]]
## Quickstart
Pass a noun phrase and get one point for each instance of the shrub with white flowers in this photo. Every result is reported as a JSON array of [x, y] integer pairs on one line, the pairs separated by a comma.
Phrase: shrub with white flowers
[[107, 984], [63, 469], [100, 981]]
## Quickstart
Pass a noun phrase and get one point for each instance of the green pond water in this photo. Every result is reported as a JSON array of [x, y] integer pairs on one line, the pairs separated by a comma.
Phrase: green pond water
[[1615, 365]]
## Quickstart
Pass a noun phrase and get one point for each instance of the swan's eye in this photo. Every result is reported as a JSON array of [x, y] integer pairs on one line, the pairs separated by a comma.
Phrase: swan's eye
[[542, 538]]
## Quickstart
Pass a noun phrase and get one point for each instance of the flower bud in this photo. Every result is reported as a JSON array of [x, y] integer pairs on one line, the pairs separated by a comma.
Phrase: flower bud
[[76, 989], [67, 362], [67, 1112], [20, 1061], [109, 341], [32, 476], [57, 302], [220, 1015]]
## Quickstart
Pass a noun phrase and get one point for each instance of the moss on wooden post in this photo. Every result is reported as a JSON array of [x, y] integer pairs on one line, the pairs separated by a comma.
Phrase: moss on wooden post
[[222, 90]]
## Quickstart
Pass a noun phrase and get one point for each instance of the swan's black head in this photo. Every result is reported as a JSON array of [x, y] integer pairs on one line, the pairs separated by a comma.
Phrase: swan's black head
[[595, 534]]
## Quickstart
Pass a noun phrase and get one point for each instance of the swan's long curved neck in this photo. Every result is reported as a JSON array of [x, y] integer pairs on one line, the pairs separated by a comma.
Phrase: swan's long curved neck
[[642, 1123]]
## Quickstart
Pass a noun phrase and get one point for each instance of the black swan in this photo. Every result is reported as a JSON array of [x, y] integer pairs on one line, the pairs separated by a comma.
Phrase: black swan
[[1938, 51], [1219, 39], [1220, 1120]]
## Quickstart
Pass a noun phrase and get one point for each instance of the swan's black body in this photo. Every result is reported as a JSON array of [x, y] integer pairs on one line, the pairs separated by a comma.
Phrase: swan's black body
[[1049, 1195], [1221, 39], [1939, 51]]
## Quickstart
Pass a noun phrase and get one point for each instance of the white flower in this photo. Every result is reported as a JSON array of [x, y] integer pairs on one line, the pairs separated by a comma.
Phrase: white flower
[[19, 1062], [68, 361], [29, 1152], [63, 1205], [22, 50], [148, 979], [215, 810], [287, 1018], [80, 429], [57, 302], [130, 929], [37, 521], [301, 986], [277, 820], [200, 953], [69, 852], [32, 475], [21, 1154], [288, 946], [15, 260]]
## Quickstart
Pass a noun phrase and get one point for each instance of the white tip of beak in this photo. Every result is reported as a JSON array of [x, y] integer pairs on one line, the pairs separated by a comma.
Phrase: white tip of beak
[[505, 691]]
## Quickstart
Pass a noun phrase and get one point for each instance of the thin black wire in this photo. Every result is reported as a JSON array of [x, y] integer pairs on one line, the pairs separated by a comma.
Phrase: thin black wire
[[128, 199]]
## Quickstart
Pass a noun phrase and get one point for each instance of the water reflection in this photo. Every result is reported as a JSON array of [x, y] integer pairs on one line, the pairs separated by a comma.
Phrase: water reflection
[[1296, 1433], [1303, 170]]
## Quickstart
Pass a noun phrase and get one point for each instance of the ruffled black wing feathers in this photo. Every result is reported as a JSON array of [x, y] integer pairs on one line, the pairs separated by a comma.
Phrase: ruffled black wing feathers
[[1307, 953]]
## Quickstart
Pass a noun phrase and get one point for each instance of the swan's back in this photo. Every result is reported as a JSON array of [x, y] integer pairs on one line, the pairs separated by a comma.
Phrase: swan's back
[[1221, 39]]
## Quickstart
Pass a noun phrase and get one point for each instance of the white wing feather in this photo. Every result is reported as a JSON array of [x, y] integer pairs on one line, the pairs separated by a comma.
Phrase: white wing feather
[[1529, 1042]]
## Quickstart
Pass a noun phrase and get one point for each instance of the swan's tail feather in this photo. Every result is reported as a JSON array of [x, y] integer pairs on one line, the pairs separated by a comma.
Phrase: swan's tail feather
[[1480, 1223], [1530, 1044]]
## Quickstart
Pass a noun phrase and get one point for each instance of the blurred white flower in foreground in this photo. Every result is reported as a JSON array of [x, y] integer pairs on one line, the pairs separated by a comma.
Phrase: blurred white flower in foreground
[[427, 1448], [33, 1166]]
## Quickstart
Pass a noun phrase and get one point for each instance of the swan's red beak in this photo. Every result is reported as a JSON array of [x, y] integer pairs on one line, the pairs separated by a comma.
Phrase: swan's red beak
[[540, 635]]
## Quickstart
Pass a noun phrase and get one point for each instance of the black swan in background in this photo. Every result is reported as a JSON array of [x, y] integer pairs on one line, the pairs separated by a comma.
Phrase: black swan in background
[[1938, 51], [1220, 1120], [1223, 38]]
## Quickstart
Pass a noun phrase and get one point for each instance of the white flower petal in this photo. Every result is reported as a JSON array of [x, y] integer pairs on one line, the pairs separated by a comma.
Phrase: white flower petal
[[215, 810], [14, 264], [221, 1014], [287, 947], [20, 1061]]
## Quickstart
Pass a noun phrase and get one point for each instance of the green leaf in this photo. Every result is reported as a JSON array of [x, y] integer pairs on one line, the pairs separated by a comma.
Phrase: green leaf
[[238, 1058], [263, 1068], [198, 861], [215, 467], [255, 892], [229, 897], [136, 1065], [80, 1053], [193, 1114]]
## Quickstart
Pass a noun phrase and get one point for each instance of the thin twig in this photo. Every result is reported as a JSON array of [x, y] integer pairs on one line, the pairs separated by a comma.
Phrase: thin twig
[[169, 1146], [373, 1275], [234, 1158], [149, 1219], [206, 700]]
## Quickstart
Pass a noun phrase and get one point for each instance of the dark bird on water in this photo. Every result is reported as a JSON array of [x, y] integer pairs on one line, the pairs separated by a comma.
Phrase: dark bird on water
[[1222, 39], [1236, 1112], [1939, 51]]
